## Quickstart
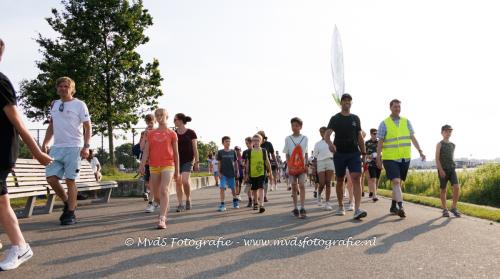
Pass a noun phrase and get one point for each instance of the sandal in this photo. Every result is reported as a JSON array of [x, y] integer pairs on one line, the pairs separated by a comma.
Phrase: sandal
[[162, 220]]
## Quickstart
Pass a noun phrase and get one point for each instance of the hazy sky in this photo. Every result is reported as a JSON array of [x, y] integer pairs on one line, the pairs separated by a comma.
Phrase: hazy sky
[[239, 66]]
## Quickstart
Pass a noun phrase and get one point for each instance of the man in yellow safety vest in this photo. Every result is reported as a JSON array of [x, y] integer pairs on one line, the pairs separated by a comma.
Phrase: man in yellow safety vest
[[395, 135]]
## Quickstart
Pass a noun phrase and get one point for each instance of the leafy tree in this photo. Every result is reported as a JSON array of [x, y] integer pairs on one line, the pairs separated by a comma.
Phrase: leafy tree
[[205, 149], [96, 47], [123, 154]]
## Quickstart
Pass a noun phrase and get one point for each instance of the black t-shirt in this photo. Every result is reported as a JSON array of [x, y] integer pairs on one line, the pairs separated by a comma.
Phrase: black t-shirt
[[269, 148], [9, 139], [346, 130]]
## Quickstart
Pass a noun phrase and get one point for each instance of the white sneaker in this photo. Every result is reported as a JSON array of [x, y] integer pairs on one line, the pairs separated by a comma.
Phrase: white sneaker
[[360, 213], [15, 257], [320, 203], [340, 211], [350, 207], [150, 208], [328, 207]]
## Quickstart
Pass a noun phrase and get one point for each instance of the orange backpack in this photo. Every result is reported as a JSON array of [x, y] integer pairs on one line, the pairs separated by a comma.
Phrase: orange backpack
[[296, 164]]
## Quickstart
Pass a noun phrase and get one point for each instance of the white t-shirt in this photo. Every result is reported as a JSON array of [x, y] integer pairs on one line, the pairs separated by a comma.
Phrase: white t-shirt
[[321, 151], [291, 141], [67, 125], [94, 163], [215, 164]]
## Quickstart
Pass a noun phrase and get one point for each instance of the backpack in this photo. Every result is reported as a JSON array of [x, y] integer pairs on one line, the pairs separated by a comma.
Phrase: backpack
[[136, 150], [296, 164]]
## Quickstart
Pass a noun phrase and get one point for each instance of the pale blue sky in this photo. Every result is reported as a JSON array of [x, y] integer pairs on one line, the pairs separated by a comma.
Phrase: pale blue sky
[[238, 66]]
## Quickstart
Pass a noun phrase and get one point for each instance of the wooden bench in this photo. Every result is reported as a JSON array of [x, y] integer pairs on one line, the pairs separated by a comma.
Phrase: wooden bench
[[27, 179]]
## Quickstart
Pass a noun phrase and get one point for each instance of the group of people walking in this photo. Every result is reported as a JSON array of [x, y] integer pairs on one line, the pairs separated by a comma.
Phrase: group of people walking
[[171, 155]]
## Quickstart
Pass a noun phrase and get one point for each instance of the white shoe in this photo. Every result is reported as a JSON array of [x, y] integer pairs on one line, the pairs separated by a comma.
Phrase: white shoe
[[15, 257], [150, 208], [328, 207], [340, 211], [320, 203], [350, 207]]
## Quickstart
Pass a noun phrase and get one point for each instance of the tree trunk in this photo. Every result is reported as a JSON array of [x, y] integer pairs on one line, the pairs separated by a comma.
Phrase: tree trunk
[[110, 141]]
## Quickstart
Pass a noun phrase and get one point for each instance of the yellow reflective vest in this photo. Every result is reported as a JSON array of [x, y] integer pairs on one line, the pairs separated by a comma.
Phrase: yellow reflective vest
[[397, 142]]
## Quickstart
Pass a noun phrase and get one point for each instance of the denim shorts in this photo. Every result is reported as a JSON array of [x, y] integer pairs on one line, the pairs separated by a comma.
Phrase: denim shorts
[[395, 169], [66, 163], [187, 167], [227, 181], [351, 161]]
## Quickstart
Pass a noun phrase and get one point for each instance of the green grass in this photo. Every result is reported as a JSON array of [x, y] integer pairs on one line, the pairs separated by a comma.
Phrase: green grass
[[480, 186], [484, 212]]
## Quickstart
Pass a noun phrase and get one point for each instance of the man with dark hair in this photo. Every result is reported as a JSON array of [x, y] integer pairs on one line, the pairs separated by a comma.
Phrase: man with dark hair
[[373, 170], [349, 147], [395, 136], [268, 146], [13, 127]]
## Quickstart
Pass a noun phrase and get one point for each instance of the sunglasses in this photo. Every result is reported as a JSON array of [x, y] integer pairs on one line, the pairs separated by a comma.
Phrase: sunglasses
[[61, 107]]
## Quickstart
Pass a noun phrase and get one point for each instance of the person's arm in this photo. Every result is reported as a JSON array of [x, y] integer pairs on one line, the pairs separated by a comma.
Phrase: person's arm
[[143, 140], [269, 169], [87, 134], [175, 147], [196, 165], [145, 157], [379, 152], [48, 136], [362, 147], [415, 143], [438, 161], [16, 120]]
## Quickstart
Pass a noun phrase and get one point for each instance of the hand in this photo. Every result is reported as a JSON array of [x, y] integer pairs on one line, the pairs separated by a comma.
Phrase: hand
[[271, 177], [44, 159], [84, 154], [442, 174], [379, 163], [45, 148], [422, 156], [196, 166], [142, 169]]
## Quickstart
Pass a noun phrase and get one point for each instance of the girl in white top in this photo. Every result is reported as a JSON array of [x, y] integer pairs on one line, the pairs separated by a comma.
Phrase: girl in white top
[[325, 168]]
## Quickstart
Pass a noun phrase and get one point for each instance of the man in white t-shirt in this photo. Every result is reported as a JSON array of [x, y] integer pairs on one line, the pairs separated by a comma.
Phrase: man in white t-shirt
[[71, 143]]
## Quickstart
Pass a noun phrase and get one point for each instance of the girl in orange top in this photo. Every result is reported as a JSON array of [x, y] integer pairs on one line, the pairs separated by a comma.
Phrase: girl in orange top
[[162, 152]]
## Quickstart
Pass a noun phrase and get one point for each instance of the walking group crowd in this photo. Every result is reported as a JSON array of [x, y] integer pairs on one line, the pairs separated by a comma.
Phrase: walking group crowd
[[171, 155]]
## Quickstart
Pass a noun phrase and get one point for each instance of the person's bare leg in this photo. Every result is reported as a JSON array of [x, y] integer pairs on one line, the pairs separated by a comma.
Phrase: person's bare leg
[[154, 183], [340, 191], [350, 187], [328, 185], [322, 179], [295, 189], [9, 222], [260, 196], [186, 184], [302, 194], [442, 196], [371, 185], [57, 187], [456, 195], [179, 190], [165, 177], [356, 185], [72, 193]]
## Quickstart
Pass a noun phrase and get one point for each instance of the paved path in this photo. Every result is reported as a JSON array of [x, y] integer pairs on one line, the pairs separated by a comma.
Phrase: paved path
[[424, 245]]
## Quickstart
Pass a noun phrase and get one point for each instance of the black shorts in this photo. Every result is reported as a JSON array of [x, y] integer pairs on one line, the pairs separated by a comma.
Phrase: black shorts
[[450, 175], [257, 182], [374, 172], [240, 179], [395, 169], [3, 182], [343, 161]]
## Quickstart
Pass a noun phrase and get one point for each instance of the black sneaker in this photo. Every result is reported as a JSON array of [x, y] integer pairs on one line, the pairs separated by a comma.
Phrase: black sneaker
[[265, 199], [456, 213], [375, 199], [255, 206], [363, 193], [262, 209], [302, 213], [145, 196], [446, 213], [394, 210], [296, 212], [70, 219], [370, 195], [188, 205], [65, 209], [249, 203], [401, 212], [315, 194]]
